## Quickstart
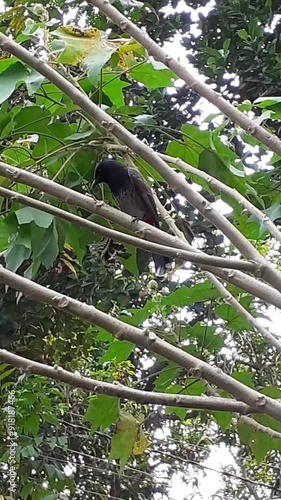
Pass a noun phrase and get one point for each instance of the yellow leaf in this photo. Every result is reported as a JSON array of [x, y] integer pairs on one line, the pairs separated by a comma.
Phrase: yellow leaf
[[67, 246], [131, 46], [68, 257], [93, 49], [79, 44], [141, 443], [70, 266], [77, 32]]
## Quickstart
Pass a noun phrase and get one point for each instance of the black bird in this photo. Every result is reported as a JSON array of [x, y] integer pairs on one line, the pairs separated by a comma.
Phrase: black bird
[[133, 197]]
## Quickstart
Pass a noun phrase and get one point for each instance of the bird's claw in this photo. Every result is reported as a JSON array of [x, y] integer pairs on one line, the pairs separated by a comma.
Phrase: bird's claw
[[135, 220]]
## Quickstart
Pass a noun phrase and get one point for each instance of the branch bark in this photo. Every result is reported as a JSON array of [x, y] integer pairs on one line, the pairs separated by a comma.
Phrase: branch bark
[[268, 272], [121, 391], [222, 188], [174, 253], [229, 299], [237, 278], [126, 238], [146, 339], [259, 427], [251, 128]]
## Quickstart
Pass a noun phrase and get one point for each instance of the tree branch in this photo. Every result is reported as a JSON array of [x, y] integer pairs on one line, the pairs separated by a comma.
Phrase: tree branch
[[251, 128], [121, 391], [259, 427], [146, 339], [126, 238], [222, 188], [237, 278], [229, 299], [172, 178]]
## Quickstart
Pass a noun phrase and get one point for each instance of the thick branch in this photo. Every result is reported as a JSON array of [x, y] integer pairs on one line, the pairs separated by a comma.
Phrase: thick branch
[[246, 283], [271, 141], [146, 339], [121, 391], [126, 238], [237, 278], [171, 177]]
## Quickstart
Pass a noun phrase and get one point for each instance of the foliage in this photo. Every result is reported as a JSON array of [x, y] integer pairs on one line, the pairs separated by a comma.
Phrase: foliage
[[70, 444]]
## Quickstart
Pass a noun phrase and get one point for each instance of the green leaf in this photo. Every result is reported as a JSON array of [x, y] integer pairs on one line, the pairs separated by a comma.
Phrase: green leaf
[[113, 89], [123, 441], [118, 351], [50, 418], [78, 240], [130, 110], [80, 135], [175, 410], [193, 388], [131, 262], [41, 494], [53, 136], [31, 423], [234, 321], [204, 335], [274, 212], [51, 470], [185, 152], [27, 214], [32, 119], [4, 235], [32, 270], [10, 79], [184, 295], [243, 34], [145, 120], [244, 377], [6, 373], [5, 63], [102, 412], [223, 419], [251, 230], [226, 44], [166, 377], [47, 249], [261, 445], [33, 81], [272, 392], [138, 316], [17, 156], [15, 256], [95, 62], [201, 139], [211, 163], [152, 78], [26, 490]]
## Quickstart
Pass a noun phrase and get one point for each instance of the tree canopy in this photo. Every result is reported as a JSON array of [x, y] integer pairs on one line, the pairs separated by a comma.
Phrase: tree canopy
[[116, 384]]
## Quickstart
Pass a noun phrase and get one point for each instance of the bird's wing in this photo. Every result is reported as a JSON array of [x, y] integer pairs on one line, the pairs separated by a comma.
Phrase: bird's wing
[[145, 194]]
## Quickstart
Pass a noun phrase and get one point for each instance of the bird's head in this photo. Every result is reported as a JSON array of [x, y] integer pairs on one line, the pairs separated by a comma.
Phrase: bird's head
[[105, 172]]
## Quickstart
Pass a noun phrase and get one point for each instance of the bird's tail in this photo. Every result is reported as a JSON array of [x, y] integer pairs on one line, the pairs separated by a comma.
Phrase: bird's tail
[[162, 265]]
